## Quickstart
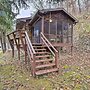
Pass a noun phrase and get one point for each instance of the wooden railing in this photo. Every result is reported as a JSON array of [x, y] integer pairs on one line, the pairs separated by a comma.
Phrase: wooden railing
[[11, 44], [31, 52], [22, 35], [58, 38], [50, 47]]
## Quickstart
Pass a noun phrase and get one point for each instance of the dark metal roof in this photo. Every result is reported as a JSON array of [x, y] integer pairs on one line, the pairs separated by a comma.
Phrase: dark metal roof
[[59, 9], [45, 11]]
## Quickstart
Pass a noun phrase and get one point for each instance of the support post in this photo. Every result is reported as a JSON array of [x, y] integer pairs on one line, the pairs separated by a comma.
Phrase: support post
[[25, 52], [42, 24], [11, 44], [56, 59], [72, 40], [18, 50], [42, 28], [34, 65], [12, 48]]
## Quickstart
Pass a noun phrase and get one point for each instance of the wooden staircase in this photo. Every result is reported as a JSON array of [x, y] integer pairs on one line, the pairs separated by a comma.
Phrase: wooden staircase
[[43, 56], [45, 63]]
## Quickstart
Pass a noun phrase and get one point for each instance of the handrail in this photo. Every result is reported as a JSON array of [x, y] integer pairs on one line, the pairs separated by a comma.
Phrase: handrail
[[49, 45], [15, 31], [29, 42], [48, 42], [53, 35], [27, 46], [57, 35], [30, 51]]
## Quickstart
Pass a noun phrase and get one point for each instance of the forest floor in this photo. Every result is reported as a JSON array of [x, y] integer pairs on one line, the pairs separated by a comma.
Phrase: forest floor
[[74, 74]]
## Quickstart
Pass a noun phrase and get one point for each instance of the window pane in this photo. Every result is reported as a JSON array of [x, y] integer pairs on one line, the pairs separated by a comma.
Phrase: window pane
[[46, 27], [65, 29], [59, 28], [69, 29], [53, 27]]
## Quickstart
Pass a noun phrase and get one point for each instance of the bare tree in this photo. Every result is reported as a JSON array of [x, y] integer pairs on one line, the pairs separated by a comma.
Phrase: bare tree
[[87, 4], [79, 5]]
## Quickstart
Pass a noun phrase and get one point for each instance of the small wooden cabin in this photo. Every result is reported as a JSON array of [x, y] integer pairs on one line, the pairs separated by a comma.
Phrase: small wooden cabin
[[55, 24], [48, 30]]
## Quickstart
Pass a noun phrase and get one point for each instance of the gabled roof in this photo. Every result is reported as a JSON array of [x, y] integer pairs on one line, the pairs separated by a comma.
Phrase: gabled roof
[[20, 22], [45, 11], [23, 19]]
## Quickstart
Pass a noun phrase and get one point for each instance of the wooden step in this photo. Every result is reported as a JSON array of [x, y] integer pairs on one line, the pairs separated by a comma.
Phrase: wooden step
[[41, 72], [45, 65], [40, 49], [48, 60], [42, 56], [37, 44], [42, 53]]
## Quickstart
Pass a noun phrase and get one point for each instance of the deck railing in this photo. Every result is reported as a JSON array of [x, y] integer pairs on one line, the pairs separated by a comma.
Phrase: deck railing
[[58, 38], [14, 39], [50, 47], [20, 37]]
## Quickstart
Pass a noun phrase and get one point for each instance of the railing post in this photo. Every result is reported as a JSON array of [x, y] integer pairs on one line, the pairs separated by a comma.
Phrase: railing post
[[25, 52], [18, 48], [34, 65], [13, 49], [56, 59], [11, 44]]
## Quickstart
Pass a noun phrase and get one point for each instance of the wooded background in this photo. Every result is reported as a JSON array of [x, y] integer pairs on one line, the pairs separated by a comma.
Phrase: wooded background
[[9, 9]]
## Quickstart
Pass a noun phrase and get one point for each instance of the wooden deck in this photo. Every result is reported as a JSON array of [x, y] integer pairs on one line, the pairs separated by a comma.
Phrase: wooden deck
[[62, 45], [58, 44]]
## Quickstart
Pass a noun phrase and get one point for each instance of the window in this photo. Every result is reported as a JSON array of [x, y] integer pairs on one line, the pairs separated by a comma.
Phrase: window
[[46, 27], [59, 28], [65, 29], [69, 29], [53, 27]]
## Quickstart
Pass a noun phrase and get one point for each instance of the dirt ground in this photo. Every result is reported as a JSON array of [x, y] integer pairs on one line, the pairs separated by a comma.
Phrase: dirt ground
[[74, 74]]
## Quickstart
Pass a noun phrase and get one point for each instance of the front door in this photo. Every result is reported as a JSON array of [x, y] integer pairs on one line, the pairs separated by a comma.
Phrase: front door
[[36, 36]]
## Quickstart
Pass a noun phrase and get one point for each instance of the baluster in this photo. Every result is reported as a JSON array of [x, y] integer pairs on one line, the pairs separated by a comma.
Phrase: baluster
[[34, 65]]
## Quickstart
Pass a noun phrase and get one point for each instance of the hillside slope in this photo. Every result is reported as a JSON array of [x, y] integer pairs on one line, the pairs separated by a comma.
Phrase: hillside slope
[[82, 33]]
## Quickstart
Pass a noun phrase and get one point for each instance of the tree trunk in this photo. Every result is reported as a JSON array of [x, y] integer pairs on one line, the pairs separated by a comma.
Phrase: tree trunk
[[86, 5], [61, 3], [73, 6], [79, 5], [3, 42], [67, 5]]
